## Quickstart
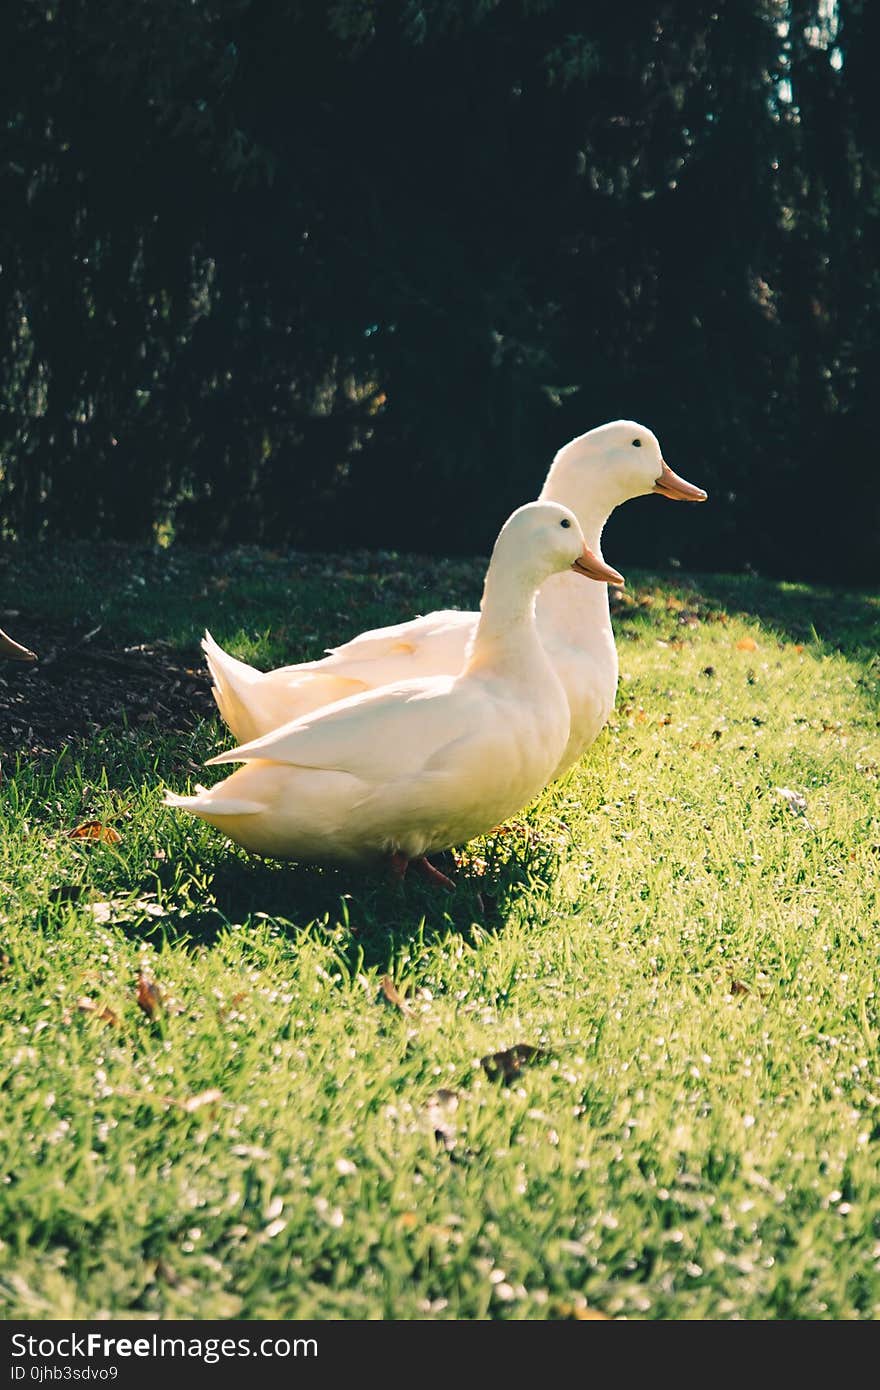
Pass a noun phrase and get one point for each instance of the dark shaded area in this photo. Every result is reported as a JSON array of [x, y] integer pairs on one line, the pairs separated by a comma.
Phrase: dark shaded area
[[377, 915], [85, 682], [846, 622], [351, 273]]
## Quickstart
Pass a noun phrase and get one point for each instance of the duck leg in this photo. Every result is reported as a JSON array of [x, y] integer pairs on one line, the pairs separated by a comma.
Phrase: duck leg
[[400, 862], [432, 874]]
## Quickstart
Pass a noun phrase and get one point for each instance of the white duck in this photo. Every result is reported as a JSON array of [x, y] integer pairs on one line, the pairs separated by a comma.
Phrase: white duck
[[426, 763], [592, 475]]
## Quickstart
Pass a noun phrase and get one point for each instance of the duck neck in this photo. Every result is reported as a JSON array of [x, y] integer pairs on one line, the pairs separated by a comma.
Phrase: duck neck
[[567, 603], [507, 636]]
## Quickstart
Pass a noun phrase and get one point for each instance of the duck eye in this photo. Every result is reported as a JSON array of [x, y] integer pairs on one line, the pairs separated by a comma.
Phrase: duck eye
[[637, 444], [565, 521]]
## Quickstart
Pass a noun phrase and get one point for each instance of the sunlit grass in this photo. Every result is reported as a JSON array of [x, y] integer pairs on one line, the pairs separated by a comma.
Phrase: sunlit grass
[[697, 956]]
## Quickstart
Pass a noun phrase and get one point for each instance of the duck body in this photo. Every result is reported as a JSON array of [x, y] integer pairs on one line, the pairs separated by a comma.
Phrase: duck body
[[424, 763], [433, 646], [432, 787], [591, 475]]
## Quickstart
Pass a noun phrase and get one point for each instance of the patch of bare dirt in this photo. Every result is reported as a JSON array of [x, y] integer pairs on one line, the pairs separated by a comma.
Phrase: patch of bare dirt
[[84, 682]]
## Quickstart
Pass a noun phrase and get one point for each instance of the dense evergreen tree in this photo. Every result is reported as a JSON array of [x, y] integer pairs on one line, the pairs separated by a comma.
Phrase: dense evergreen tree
[[268, 264]]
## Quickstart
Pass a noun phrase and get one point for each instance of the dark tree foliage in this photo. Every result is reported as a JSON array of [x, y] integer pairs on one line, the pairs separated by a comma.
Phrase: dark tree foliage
[[349, 273]]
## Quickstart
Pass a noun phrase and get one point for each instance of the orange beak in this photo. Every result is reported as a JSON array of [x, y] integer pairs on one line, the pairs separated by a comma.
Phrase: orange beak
[[669, 484], [592, 567]]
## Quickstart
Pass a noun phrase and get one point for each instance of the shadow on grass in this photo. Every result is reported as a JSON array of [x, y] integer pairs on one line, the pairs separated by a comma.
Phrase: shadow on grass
[[367, 917], [849, 622]]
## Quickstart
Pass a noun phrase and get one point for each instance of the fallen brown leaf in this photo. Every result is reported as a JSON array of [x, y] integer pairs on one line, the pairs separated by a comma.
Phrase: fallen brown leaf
[[91, 1006], [94, 830], [394, 996], [506, 1066], [149, 996]]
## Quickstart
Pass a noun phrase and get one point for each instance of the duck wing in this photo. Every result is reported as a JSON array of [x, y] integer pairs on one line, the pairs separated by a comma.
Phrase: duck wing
[[382, 735], [432, 645]]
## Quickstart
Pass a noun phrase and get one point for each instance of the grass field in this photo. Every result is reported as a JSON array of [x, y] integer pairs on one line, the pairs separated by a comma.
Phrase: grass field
[[679, 960]]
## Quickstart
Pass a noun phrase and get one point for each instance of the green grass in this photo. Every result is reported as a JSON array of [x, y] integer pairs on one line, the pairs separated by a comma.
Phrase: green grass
[[697, 961]]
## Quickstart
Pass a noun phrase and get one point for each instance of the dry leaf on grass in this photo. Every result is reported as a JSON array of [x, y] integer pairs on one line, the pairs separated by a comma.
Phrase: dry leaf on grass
[[188, 1105], [747, 644], [193, 1103], [153, 1000], [149, 996], [506, 1066], [91, 1006], [394, 996], [94, 830]]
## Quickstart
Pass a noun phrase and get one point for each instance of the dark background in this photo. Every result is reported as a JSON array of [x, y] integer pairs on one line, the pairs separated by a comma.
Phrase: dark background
[[350, 273]]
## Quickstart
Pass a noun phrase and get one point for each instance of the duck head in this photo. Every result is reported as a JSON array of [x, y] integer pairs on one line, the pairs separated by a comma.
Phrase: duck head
[[544, 538], [598, 470]]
